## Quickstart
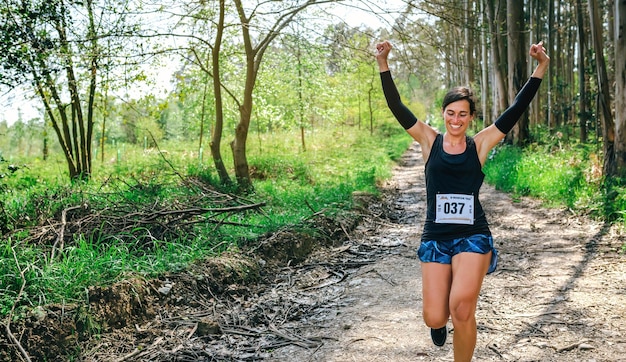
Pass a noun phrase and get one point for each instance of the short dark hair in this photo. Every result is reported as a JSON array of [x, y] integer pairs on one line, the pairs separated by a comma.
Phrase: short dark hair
[[457, 94]]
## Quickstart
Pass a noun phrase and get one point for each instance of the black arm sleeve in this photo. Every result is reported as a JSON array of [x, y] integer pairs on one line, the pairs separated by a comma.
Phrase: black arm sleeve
[[511, 115], [406, 118]]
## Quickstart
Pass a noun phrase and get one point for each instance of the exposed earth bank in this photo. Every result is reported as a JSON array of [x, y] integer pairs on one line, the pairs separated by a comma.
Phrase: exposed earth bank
[[559, 294]]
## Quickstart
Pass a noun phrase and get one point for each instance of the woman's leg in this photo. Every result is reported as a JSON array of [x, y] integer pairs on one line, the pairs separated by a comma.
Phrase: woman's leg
[[468, 272], [436, 283]]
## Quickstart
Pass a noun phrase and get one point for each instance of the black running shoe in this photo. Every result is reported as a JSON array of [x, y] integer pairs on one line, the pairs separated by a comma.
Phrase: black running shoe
[[439, 335]]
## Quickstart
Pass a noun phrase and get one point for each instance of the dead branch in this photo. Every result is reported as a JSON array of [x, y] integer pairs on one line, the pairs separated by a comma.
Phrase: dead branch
[[139, 352], [163, 156], [200, 211], [60, 238], [295, 339], [7, 324], [574, 346], [122, 220]]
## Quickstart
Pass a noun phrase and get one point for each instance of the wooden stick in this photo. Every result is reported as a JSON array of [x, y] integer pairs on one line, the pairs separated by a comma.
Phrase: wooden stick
[[61, 235], [7, 325]]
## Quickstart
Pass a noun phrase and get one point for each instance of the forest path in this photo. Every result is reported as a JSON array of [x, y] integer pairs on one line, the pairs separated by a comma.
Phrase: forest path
[[558, 293]]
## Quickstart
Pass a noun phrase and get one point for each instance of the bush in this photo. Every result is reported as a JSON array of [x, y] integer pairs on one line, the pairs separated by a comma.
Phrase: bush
[[567, 177]]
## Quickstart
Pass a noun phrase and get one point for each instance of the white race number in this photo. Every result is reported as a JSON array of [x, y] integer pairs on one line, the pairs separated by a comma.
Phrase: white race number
[[455, 209]]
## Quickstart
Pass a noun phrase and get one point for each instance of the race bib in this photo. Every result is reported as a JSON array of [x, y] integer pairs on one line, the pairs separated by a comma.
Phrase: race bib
[[455, 209]]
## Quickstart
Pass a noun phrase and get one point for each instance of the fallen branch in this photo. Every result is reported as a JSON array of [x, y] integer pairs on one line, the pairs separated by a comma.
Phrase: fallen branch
[[341, 277], [159, 223], [149, 217], [137, 352], [295, 339], [582, 344], [61, 234], [7, 325]]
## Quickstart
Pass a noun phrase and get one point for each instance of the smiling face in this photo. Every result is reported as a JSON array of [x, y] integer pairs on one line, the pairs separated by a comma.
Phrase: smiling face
[[458, 110], [457, 116]]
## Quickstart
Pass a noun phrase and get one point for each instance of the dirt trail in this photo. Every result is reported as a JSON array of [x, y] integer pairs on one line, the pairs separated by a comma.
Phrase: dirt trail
[[558, 293]]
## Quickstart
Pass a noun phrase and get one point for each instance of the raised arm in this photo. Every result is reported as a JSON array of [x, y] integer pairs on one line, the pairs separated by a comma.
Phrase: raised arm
[[490, 136], [420, 131]]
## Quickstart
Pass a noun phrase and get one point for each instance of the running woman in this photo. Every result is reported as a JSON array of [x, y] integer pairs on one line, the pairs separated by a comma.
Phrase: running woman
[[456, 250]]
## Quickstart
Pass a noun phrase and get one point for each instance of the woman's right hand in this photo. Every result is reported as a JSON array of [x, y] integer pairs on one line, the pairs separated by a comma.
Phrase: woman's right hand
[[383, 49], [382, 53]]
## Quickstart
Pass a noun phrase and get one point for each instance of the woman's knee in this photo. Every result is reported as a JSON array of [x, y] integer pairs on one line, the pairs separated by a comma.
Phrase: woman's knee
[[435, 318], [463, 310]]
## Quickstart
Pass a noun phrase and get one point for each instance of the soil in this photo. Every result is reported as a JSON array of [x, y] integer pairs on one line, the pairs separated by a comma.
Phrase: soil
[[559, 294]]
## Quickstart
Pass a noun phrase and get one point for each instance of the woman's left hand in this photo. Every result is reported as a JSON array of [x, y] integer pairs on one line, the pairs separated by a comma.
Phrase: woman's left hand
[[537, 51]]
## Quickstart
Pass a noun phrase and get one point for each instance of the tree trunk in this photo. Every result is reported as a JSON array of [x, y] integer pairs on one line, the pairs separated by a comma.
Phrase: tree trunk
[[550, 76], [216, 137], [604, 98], [496, 10], [582, 81], [534, 13], [567, 52], [87, 135], [484, 83], [611, 21], [238, 145], [620, 88], [73, 131], [254, 56], [517, 64], [557, 87], [469, 42]]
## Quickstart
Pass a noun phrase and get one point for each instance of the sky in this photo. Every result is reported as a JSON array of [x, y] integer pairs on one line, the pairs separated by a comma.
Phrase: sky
[[14, 103]]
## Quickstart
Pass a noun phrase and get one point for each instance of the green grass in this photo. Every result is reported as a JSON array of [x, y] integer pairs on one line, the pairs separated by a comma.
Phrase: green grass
[[561, 177], [294, 183]]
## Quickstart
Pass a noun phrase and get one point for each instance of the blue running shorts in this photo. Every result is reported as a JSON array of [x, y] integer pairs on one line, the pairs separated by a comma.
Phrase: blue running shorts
[[443, 251]]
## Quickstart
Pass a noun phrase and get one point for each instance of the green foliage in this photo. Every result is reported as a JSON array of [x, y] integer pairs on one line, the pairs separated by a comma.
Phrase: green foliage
[[325, 177], [293, 184], [435, 117], [501, 168], [614, 196], [568, 177]]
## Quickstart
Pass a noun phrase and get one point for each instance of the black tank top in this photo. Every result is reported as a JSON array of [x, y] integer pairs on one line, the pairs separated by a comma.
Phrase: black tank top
[[453, 174]]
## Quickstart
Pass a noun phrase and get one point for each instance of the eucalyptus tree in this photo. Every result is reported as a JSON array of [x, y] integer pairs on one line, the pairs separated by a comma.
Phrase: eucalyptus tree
[[620, 87], [604, 96], [496, 18], [582, 74], [516, 56], [55, 47]]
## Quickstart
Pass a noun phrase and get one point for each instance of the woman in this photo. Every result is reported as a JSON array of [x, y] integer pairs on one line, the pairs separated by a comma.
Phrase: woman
[[456, 250]]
